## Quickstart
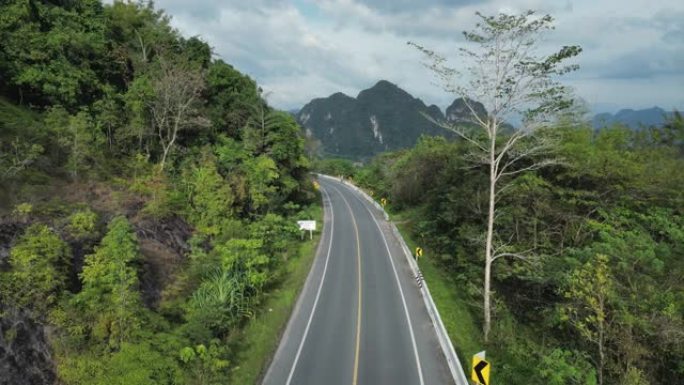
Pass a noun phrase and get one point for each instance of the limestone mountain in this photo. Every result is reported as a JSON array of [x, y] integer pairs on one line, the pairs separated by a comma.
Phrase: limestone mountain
[[635, 119], [381, 118], [459, 112]]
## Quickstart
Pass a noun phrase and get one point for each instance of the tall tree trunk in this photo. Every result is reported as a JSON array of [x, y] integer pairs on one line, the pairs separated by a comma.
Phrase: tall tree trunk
[[75, 154], [164, 155], [601, 364], [601, 343], [167, 147], [490, 235], [509, 79], [140, 139]]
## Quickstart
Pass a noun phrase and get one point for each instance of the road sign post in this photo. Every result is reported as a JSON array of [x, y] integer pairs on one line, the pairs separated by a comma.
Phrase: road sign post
[[480, 371], [307, 225], [419, 252]]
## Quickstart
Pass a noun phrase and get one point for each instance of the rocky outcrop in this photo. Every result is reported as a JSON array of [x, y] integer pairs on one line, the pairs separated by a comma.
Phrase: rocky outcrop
[[8, 234], [25, 354], [25, 357], [460, 112], [163, 245]]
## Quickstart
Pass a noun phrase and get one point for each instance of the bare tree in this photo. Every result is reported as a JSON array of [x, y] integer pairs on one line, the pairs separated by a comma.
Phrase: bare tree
[[20, 156], [511, 80], [259, 123], [175, 106]]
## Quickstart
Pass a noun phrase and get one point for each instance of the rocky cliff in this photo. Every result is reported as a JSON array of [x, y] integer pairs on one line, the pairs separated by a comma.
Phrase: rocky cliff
[[381, 118]]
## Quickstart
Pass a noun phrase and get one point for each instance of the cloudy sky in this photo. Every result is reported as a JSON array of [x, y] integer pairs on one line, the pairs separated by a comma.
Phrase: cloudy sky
[[301, 49]]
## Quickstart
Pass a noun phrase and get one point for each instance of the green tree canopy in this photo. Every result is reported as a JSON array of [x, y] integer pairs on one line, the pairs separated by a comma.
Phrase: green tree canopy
[[40, 263], [109, 296]]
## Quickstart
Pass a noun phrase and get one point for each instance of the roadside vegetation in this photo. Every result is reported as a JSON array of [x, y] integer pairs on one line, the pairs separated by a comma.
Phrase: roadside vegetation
[[601, 294], [148, 202], [585, 226], [259, 340]]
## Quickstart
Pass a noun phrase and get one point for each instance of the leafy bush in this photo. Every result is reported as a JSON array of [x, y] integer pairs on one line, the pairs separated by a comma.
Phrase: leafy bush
[[562, 367], [40, 261], [206, 364], [23, 210], [335, 167], [81, 224], [209, 198], [220, 303]]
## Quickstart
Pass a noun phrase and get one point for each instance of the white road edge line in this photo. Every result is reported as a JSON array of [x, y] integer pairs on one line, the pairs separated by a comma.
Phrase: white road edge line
[[401, 291], [318, 293]]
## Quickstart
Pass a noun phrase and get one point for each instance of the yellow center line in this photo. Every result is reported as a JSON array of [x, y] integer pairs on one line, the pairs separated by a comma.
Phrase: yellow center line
[[358, 311]]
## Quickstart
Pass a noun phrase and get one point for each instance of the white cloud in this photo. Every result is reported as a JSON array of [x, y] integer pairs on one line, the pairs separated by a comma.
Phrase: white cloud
[[633, 50]]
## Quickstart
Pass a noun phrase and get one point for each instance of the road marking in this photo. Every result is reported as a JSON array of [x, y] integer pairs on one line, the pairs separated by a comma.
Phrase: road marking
[[401, 291], [318, 294], [358, 311]]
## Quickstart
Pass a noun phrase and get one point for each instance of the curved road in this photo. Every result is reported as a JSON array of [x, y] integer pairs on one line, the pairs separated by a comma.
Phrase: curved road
[[359, 319]]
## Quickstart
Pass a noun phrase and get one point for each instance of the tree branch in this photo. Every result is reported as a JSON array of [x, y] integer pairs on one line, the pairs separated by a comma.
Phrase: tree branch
[[455, 130], [521, 256]]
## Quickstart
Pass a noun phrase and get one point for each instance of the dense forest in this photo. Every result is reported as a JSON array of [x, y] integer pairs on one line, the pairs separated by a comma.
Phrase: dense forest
[[598, 296], [147, 197]]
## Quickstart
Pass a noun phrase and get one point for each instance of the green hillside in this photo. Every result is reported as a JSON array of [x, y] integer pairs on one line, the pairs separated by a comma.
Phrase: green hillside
[[148, 196], [600, 239]]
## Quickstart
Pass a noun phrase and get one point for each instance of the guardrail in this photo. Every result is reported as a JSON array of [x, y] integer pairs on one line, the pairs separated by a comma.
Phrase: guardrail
[[453, 362]]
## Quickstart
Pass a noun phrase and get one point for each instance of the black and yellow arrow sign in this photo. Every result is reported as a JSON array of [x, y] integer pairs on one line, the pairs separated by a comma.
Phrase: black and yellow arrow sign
[[419, 252], [480, 372]]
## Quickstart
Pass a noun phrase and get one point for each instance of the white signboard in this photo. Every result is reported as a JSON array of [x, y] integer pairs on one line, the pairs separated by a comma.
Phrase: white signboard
[[307, 225]]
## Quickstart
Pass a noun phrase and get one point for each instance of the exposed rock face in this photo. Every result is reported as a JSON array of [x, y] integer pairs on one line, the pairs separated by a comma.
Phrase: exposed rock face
[[25, 357], [8, 233], [163, 247], [381, 118], [459, 112]]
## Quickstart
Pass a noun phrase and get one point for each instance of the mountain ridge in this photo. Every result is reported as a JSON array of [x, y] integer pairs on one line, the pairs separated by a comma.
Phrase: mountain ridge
[[385, 117], [381, 118], [635, 119]]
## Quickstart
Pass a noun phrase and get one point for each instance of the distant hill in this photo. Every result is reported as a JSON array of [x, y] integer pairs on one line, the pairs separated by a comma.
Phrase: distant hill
[[381, 118], [635, 119]]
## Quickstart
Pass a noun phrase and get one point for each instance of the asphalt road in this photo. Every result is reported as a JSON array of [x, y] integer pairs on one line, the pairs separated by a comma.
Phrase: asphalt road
[[359, 319]]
